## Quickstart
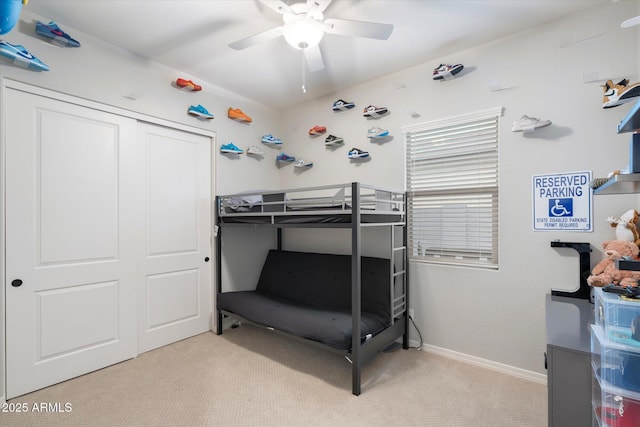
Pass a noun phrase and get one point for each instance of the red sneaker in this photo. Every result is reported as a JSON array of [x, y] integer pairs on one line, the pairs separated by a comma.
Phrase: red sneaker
[[188, 85]]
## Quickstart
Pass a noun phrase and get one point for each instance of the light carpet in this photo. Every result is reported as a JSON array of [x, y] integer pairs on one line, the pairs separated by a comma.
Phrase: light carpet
[[252, 377]]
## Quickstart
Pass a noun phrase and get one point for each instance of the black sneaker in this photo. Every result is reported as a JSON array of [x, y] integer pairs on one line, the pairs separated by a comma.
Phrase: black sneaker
[[356, 153], [375, 112], [444, 70], [333, 140]]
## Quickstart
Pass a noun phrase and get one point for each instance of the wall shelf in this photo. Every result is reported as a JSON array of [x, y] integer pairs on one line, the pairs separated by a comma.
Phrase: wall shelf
[[620, 184]]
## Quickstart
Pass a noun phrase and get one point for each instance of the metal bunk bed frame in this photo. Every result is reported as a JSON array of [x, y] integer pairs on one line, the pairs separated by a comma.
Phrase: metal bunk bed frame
[[360, 352]]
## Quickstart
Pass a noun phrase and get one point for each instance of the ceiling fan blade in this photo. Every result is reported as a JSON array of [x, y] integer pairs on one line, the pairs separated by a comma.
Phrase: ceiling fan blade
[[277, 6], [319, 5], [256, 39], [371, 30], [631, 22], [313, 58]]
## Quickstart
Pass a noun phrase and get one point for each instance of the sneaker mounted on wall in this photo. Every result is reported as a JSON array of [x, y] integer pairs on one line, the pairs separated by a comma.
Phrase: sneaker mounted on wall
[[284, 158], [302, 163], [526, 123], [444, 70], [376, 132], [620, 93], [374, 112], [188, 85], [199, 111], [237, 114], [270, 139], [356, 153], [317, 130], [21, 56], [255, 151], [231, 148], [342, 105], [333, 140], [58, 37]]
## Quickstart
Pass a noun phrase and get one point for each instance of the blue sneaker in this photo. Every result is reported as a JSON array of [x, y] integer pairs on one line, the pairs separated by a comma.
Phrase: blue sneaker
[[199, 111], [231, 148], [376, 132], [283, 158], [341, 105], [270, 139], [21, 57], [59, 37], [356, 153], [10, 12]]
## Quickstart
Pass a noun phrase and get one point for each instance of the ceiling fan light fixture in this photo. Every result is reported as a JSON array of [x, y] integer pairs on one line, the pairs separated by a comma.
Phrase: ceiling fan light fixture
[[303, 33]]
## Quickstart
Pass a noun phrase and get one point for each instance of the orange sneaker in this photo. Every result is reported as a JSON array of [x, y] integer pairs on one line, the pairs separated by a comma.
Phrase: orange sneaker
[[237, 114], [317, 130], [188, 85]]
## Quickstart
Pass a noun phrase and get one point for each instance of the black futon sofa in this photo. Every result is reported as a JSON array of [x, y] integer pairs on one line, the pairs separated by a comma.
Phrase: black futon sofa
[[308, 295]]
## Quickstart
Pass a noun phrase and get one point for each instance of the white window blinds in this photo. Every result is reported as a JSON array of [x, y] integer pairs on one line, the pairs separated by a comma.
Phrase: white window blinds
[[452, 183]]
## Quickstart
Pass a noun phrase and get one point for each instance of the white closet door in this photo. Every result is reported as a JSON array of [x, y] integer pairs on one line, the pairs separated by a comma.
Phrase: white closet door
[[70, 276], [174, 293]]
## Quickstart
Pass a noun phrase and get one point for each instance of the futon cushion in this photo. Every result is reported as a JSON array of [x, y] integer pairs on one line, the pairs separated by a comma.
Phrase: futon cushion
[[324, 280], [330, 327]]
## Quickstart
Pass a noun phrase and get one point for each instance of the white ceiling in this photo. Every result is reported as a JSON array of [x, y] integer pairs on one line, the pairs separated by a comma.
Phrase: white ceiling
[[193, 37]]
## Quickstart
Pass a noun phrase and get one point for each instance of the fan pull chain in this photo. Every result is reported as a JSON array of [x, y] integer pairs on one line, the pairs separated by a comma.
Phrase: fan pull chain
[[304, 74]]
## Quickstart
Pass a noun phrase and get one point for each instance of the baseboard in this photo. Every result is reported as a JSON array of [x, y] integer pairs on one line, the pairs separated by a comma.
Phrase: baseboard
[[483, 363]]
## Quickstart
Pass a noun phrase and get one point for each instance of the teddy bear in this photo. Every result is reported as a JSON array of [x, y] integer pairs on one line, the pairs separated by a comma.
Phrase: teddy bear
[[626, 226], [605, 272]]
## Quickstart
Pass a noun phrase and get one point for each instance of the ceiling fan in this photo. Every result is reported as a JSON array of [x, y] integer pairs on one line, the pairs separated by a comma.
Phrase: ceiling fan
[[304, 26]]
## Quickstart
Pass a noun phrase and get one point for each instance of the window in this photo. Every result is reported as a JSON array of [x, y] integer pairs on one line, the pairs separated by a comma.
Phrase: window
[[452, 184]]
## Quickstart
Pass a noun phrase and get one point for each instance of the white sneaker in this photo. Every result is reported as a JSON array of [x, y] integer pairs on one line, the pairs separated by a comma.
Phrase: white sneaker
[[303, 163], [527, 123], [255, 150]]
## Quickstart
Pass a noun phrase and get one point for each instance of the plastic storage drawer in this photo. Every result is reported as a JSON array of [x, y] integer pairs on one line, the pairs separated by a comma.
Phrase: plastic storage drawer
[[614, 363], [615, 407], [619, 318]]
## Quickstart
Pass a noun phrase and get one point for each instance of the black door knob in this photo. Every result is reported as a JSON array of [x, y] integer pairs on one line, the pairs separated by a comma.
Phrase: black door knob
[[16, 283], [206, 259]]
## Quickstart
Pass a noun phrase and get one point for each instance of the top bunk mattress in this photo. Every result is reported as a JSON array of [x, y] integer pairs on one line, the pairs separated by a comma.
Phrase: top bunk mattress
[[327, 204]]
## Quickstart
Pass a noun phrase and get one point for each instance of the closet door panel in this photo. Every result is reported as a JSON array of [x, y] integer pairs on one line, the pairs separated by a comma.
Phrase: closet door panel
[[175, 286], [70, 265]]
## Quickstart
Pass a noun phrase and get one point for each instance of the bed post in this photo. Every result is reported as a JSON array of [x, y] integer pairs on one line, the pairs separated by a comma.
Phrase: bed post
[[356, 273], [218, 236], [279, 238], [405, 242]]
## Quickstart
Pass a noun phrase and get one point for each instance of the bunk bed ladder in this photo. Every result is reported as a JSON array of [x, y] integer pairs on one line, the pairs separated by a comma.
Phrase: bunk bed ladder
[[398, 269]]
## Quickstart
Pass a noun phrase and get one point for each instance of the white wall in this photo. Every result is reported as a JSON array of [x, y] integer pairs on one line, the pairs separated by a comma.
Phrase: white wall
[[106, 74], [494, 315]]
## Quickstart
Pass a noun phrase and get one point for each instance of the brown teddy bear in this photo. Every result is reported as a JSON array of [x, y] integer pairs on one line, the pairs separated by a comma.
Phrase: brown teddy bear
[[605, 272]]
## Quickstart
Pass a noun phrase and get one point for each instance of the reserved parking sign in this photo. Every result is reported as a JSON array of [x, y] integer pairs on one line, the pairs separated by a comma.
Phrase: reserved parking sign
[[562, 202]]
